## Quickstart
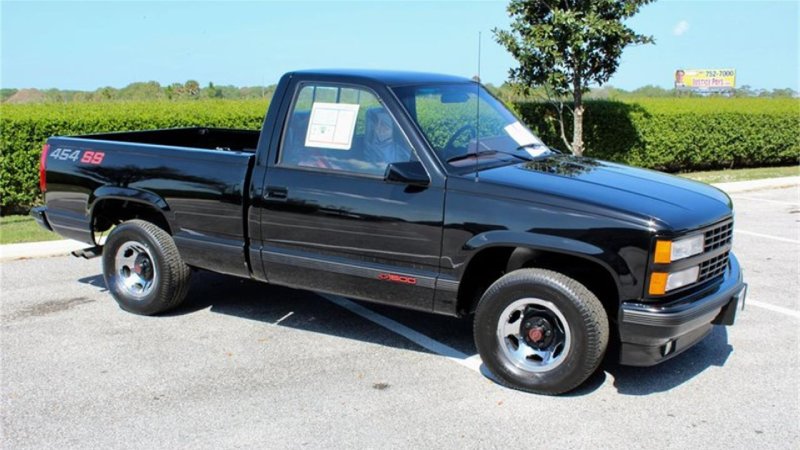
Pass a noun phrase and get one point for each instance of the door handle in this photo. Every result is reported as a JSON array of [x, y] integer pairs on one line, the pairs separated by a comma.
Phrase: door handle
[[277, 192]]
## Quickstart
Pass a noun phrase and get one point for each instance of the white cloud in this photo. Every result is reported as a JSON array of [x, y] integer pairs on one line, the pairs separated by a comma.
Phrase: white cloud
[[680, 28]]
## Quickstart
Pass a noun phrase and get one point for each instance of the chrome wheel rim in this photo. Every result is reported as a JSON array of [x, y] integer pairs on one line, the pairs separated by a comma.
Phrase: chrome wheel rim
[[534, 335], [135, 270]]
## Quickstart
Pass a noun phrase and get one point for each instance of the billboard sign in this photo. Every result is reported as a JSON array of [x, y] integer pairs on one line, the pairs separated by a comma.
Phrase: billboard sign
[[705, 79]]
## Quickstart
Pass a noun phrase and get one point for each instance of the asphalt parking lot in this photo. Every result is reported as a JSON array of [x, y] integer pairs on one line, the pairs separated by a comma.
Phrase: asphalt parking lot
[[243, 364]]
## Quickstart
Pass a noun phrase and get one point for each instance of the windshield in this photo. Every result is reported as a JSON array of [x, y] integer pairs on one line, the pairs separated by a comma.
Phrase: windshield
[[466, 125]]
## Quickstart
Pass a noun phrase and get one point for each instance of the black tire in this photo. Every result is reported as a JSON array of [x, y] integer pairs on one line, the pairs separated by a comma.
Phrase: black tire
[[557, 356], [143, 270]]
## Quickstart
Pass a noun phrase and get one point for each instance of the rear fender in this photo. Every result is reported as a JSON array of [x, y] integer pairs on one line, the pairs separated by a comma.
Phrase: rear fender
[[148, 198]]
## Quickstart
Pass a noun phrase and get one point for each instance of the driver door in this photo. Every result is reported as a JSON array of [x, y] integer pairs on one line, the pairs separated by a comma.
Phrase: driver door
[[330, 220]]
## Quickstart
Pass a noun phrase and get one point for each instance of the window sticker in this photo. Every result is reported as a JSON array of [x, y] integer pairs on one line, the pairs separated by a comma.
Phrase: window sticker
[[521, 135], [331, 125]]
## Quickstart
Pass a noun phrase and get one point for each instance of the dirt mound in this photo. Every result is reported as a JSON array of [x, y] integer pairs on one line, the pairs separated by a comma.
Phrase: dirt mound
[[27, 96]]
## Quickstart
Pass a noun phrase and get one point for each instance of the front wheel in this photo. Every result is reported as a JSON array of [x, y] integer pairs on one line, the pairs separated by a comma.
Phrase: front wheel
[[143, 270], [540, 331]]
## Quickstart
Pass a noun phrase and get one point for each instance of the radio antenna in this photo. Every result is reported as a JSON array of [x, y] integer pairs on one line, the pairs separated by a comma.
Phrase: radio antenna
[[478, 112]]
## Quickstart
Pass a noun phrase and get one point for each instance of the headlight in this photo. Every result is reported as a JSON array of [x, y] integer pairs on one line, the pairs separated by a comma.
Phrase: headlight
[[682, 278], [669, 251], [663, 282], [686, 247]]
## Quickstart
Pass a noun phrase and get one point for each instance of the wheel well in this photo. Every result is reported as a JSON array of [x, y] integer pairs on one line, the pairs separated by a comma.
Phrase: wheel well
[[484, 269], [492, 263], [110, 212]]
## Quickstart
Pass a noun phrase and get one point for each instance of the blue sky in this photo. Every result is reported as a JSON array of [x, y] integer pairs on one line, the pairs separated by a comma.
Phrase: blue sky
[[72, 45]]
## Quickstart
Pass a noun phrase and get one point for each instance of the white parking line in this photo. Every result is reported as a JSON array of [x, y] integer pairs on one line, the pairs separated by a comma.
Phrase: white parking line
[[751, 233], [780, 309], [737, 197], [284, 318], [472, 362]]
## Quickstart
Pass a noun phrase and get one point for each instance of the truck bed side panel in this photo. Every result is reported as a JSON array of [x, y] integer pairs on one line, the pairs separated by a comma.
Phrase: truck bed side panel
[[199, 192]]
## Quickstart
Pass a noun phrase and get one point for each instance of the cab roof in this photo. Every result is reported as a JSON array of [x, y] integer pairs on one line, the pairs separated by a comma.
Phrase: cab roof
[[387, 77]]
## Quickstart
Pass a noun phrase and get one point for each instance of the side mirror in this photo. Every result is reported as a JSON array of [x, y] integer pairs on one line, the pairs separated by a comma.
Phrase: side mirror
[[411, 172]]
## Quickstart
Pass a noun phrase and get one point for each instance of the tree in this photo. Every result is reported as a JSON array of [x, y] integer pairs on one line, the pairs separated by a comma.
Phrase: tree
[[141, 91], [174, 91], [652, 91], [782, 93], [191, 88], [212, 91], [744, 91], [564, 46], [5, 93], [105, 94]]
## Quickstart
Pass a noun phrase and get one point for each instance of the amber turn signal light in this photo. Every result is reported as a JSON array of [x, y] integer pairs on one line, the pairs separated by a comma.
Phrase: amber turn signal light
[[663, 252], [658, 283]]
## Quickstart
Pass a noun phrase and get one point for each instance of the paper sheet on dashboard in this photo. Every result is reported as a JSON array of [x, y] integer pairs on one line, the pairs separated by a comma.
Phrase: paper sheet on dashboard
[[521, 135], [331, 125]]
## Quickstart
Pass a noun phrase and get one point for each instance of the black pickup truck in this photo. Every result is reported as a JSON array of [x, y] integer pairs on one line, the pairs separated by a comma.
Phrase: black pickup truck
[[416, 190]]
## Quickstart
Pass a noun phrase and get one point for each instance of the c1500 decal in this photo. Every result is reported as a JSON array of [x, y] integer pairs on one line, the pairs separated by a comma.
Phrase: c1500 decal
[[397, 278]]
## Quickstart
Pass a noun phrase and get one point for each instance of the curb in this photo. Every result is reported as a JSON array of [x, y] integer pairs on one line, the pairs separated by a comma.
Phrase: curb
[[11, 252], [757, 185]]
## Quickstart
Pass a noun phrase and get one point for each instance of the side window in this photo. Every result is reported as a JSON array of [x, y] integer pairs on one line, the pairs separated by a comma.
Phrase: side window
[[342, 129]]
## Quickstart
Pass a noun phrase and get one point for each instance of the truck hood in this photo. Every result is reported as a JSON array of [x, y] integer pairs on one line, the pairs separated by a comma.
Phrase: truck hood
[[675, 203]]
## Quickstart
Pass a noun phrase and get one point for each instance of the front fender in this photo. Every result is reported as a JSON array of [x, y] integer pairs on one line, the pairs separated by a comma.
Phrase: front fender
[[540, 241], [613, 263]]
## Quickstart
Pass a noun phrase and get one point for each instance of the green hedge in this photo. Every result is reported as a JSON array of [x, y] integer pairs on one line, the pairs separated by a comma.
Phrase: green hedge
[[682, 134], [25, 128], [665, 134]]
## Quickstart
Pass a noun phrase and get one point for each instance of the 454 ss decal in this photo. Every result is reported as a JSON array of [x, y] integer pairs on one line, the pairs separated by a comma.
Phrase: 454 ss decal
[[83, 156]]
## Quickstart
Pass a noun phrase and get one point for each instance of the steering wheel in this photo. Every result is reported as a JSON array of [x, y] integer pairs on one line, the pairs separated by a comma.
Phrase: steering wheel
[[449, 150]]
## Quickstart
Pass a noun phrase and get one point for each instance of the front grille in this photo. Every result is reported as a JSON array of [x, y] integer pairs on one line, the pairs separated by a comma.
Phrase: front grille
[[713, 267], [716, 237], [719, 236], [713, 262]]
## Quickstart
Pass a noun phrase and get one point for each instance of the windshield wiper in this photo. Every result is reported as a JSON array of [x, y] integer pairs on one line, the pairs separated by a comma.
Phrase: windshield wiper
[[537, 145], [483, 153]]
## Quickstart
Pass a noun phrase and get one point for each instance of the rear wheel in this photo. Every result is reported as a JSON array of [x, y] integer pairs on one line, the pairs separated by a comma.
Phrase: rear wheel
[[143, 270], [540, 331]]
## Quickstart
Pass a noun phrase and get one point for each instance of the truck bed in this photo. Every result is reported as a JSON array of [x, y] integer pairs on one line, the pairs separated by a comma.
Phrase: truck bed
[[198, 137], [195, 177]]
